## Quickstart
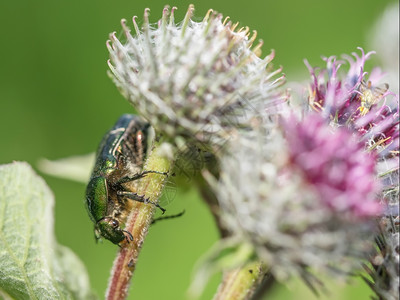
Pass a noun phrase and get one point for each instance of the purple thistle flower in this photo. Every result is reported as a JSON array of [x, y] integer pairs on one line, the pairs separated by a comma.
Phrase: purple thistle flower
[[362, 106], [334, 164], [357, 101], [369, 111]]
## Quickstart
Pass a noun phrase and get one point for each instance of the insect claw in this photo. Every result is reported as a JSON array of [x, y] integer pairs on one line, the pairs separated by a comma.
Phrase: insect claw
[[128, 236], [155, 204]]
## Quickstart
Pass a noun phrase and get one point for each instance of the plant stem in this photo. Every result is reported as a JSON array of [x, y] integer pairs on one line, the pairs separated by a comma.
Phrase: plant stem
[[137, 224], [211, 200], [241, 283]]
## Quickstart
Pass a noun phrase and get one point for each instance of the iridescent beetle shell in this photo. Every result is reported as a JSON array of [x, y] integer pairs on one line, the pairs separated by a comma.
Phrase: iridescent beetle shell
[[119, 162]]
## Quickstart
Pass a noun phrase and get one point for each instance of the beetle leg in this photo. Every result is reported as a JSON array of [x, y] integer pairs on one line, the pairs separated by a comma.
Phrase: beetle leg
[[136, 197], [138, 176], [168, 217], [128, 236]]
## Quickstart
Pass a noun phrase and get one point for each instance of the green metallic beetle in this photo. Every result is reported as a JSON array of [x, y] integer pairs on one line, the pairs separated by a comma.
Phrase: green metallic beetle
[[119, 162]]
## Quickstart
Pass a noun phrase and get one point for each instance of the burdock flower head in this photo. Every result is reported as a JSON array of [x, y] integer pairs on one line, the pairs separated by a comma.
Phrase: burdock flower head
[[191, 80], [335, 164], [302, 195], [358, 101]]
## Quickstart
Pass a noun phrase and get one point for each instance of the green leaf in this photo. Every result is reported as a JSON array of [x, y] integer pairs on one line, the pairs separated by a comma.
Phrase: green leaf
[[76, 168], [32, 264]]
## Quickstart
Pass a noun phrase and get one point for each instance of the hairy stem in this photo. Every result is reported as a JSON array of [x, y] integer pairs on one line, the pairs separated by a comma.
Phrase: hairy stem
[[241, 283], [137, 224]]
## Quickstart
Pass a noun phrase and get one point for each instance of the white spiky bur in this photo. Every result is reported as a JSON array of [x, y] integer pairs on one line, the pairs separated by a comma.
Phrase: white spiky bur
[[192, 80]]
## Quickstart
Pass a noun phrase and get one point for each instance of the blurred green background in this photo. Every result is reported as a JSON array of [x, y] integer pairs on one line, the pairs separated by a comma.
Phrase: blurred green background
[[56, 101]]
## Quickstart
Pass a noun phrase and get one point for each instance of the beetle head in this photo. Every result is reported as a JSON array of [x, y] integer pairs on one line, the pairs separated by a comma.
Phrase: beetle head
[[108, 228]]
